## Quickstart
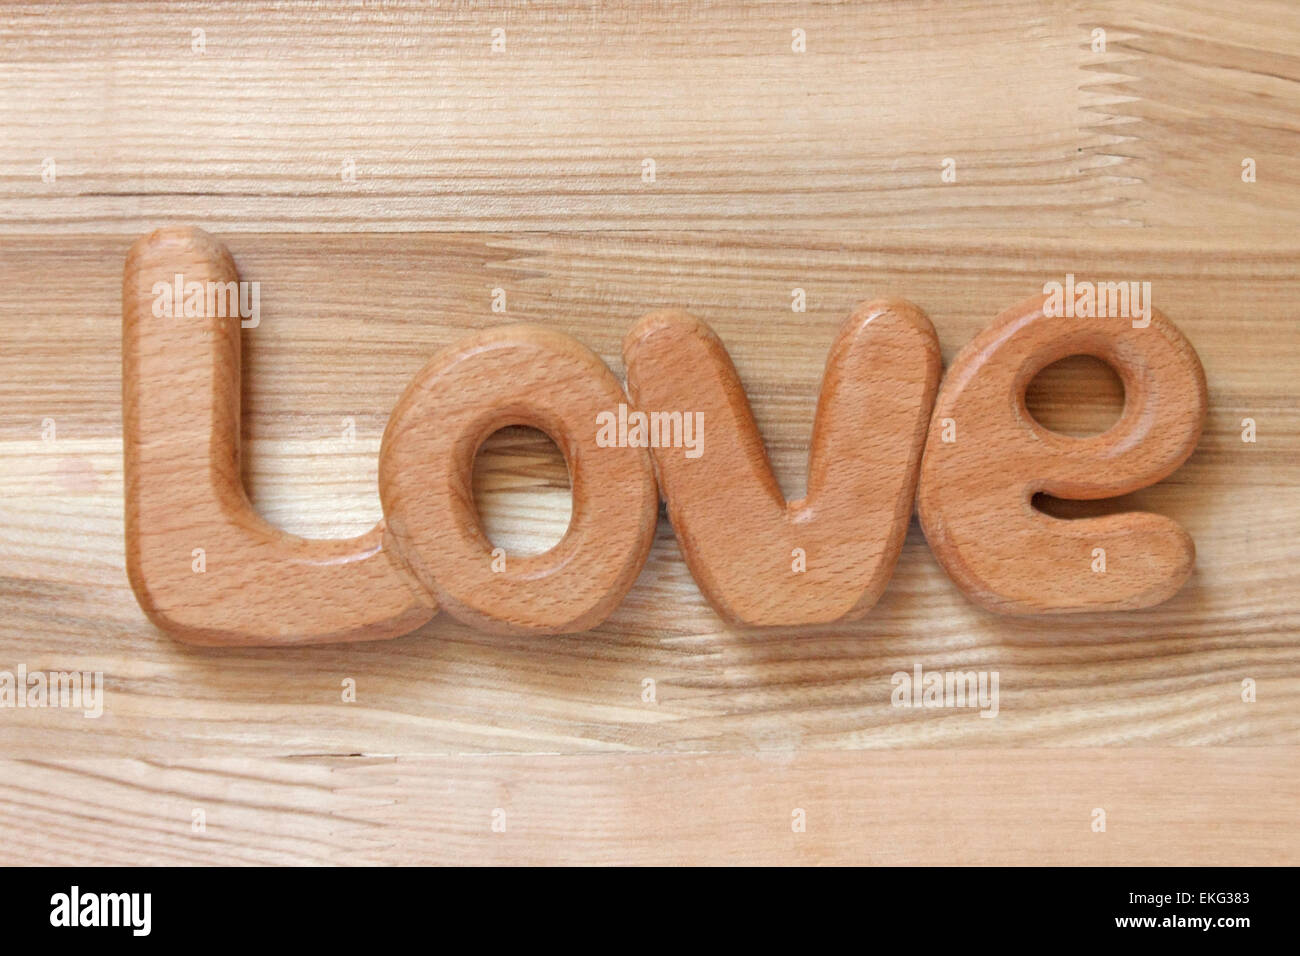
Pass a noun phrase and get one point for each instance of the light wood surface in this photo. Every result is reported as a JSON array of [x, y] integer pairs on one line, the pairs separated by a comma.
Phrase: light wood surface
[[522, 172], [551, 133], [1159, 806]]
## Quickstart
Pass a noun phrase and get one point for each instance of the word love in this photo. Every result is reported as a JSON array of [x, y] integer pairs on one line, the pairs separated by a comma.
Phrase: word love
[[208, 569]]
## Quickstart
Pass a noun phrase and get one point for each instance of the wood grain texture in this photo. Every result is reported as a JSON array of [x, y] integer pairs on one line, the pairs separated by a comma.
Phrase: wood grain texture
[[774, 171], [252, 134], [1184, 806]]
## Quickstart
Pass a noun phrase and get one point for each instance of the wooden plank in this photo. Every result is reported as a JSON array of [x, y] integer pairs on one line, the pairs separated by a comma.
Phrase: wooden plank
[[551, 133], [345, 321], [234, 812], [1181, 806], [1002, 807], [1197, 88]]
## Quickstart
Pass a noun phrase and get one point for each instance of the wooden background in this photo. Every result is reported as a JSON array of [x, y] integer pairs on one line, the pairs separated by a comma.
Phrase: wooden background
[[522, 170]]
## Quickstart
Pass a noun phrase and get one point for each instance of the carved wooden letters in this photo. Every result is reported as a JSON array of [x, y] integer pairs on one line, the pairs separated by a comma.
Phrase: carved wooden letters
[[207, 569]]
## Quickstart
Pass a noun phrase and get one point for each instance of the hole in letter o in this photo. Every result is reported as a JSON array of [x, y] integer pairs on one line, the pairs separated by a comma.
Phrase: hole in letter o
[[521, 491]]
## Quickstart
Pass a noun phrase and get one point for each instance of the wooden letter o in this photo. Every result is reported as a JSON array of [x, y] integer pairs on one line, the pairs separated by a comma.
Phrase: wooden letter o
[[519, 375]]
